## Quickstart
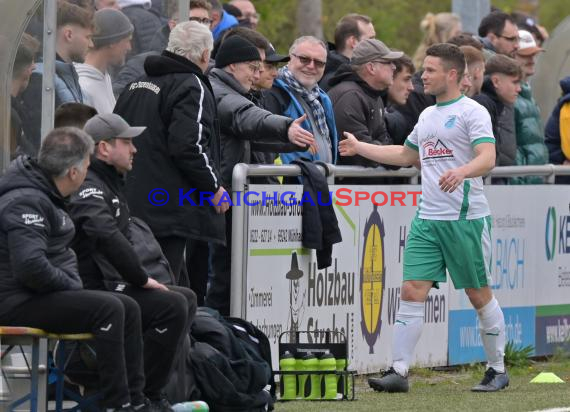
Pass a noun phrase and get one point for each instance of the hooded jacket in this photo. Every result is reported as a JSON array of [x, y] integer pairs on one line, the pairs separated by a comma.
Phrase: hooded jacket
[[227, 21], [503, 119], [244, 126], [358, 109], [35, 234], [555, 141], [552, 129], [66, 87], [179, 150], [531, 149], [96, 87], [101, 215], [334, 61]]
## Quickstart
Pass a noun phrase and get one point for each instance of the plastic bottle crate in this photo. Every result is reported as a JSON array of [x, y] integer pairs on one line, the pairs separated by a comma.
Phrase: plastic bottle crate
[[311, 366]]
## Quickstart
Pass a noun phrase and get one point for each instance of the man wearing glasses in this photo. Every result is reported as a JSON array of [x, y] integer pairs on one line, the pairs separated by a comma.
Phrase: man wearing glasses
[[243, 125], [356, 92], [296, 93], [499, 35]]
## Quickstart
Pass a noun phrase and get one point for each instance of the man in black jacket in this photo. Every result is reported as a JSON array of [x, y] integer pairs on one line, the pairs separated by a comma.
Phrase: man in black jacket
[[357, 91], [108, 260], [180, 148], [40, 286], [500, 90]]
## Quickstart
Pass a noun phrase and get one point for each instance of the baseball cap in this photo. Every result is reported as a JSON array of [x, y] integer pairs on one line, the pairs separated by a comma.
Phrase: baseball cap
[[527, 44], [373, 49], [271, 56], [109, 126]]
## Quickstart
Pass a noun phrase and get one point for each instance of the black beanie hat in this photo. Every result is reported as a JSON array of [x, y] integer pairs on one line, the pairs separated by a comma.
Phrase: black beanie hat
[[236, 49]]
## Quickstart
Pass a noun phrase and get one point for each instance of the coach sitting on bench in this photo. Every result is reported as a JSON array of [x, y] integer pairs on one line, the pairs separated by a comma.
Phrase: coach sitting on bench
[[108, 260], [40, 286]]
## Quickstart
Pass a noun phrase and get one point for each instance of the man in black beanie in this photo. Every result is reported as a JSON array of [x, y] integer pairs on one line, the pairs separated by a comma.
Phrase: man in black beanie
[[244, 127]]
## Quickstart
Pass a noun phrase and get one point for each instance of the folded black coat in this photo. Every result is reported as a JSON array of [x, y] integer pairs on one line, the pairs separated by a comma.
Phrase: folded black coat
[[320, 226]]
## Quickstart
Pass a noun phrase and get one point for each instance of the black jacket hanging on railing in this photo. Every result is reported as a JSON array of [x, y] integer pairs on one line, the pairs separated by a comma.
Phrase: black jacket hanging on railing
[[320, 226]]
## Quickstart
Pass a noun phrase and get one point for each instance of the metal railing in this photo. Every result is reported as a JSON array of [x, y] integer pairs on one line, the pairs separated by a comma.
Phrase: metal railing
[[240, 216]]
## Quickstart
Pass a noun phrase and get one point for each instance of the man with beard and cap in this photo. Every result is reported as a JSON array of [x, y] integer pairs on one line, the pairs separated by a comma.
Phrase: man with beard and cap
[[107, 252]]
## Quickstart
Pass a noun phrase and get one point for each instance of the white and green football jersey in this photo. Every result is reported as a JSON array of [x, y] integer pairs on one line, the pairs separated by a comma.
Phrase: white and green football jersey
[[445, 136]]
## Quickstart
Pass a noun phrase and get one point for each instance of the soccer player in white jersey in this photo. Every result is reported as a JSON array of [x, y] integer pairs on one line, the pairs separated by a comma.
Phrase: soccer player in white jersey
[[452, 229]]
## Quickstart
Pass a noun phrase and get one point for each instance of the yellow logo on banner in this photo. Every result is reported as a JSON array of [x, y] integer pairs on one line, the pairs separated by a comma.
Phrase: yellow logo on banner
[[372, 275]]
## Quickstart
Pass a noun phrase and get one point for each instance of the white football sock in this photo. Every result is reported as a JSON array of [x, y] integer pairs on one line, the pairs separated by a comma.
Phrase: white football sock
[[407, 331], [492, 330]]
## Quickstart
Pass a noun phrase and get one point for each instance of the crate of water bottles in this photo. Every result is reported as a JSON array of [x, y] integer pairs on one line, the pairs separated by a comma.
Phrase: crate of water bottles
[[314, 371]]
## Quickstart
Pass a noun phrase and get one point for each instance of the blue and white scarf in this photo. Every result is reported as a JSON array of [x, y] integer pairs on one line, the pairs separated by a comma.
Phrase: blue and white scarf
[[310, 96]]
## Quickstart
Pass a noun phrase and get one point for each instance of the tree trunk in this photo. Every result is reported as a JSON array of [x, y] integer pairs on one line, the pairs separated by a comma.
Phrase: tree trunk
[[309, 18]]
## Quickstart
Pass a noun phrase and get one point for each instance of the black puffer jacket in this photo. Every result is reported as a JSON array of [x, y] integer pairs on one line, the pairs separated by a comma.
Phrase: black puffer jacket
[[244, 126], [35, 233], [358, 109], [179, 150], [101, 215]]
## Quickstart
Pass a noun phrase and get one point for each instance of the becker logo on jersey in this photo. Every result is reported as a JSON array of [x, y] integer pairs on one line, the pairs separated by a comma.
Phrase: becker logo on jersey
[[436, 149]]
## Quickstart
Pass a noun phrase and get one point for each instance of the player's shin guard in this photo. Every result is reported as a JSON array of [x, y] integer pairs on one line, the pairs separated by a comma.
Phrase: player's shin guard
[[492, 329], [407, 331]]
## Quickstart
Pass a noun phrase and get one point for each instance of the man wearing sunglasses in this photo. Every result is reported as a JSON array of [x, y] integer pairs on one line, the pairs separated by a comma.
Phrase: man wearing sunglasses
[[296, 93], [499, 34]]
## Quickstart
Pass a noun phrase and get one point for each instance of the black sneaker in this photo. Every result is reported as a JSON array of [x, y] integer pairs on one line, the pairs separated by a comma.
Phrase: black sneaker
[[161, 405], [390, 381], [493, 381]]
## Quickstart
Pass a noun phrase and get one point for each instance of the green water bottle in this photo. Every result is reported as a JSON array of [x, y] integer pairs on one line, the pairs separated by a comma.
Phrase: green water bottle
[[328, 363], [345, 384], [302, 378], [196, 406], [287, 363], [311, 363]]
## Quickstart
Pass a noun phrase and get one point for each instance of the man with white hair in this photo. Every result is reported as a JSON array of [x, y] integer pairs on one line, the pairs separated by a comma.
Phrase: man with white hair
[[179, 150]]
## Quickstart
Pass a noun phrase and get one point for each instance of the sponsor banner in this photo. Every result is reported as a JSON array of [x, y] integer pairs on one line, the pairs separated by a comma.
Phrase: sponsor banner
[[465, 343], [358, 295], [552, 329]]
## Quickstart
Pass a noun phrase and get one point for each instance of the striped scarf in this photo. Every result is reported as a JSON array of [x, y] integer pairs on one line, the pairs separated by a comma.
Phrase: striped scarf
[[310, 96]]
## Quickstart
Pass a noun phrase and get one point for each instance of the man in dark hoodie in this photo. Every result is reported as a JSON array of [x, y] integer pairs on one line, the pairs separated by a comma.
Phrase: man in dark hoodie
[[40, 286], [108, 258], [357, 92], [499, 93], [179, 150]]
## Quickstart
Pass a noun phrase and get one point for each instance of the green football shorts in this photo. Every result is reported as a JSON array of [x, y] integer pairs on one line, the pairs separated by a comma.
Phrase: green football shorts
[[463, 247]]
